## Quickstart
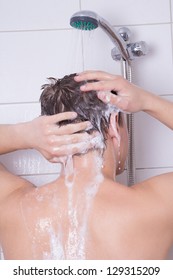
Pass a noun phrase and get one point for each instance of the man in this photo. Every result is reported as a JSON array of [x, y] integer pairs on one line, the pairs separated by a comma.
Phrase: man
[[86, 214]]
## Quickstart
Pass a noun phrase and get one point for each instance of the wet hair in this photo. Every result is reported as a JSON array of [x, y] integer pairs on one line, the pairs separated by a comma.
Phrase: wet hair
[[64, 95]]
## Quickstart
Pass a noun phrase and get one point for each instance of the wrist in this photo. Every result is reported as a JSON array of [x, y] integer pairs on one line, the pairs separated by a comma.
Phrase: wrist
[[154, 106], [22, 135], [148, 101]]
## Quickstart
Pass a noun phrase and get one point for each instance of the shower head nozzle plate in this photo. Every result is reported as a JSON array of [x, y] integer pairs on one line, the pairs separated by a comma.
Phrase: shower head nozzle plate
[[83, 23]]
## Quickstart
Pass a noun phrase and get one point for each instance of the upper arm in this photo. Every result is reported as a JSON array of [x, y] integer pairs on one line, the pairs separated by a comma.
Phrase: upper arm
[[9, 182], [158, 194], [159, 188], [162, 186]]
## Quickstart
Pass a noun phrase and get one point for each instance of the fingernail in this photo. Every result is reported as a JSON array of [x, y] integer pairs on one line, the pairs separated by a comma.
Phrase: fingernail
[[102, 96], [55, 159], [89, 126], [77, 78], [83, 87], [96, 133], [74, 115]]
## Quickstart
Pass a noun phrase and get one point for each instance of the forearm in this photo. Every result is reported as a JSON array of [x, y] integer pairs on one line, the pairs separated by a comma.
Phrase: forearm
[[43, 135], [160, 108], [13, 137]]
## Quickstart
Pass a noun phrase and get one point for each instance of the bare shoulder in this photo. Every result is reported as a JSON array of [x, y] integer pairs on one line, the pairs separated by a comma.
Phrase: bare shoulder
[[161, 181], [161, 186], [10, 182]]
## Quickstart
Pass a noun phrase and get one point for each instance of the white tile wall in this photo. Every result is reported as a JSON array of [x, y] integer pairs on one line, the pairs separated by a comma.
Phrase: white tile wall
[[40, 14], [131, 11], [144, 174], [97, 52], [37, 42], [98, 56], [28, 58], [41, 180], [29, 162], [28, 111], [154, 72], [153, 142]]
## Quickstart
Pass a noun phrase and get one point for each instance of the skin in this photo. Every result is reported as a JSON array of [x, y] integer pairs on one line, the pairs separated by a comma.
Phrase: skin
[[130, 98], [44, 135], [122, 222]]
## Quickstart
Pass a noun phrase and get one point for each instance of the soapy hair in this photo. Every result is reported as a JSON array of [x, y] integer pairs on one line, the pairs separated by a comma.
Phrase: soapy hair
[[64, 95]]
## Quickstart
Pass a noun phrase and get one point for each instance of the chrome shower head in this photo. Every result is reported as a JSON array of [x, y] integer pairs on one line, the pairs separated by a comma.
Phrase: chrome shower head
[[84, 20], [88, 20]]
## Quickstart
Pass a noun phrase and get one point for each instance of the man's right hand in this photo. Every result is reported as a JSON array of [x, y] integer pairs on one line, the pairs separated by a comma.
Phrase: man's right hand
[[129, 98], [52, 141]]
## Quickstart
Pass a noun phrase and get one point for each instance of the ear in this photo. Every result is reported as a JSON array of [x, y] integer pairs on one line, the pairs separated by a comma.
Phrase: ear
[[114, 129]]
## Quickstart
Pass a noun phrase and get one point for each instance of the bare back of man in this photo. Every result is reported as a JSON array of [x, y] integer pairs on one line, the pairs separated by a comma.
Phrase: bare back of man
[[56, 222]]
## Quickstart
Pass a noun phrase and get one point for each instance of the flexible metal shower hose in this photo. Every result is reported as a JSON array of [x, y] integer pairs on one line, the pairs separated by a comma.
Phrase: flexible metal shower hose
[[131, 168]]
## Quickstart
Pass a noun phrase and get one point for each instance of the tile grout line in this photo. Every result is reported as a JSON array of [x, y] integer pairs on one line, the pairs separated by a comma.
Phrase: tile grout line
[[153, 168], [70, 28], [171, 27], [19, 103], [170, 5]]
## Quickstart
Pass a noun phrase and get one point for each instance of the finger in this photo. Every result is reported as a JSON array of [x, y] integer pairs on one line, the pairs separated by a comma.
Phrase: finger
[[111, 98], [93, 75], [62, 117], [73, 128], [99, 86], [71, 139], [72, 149], [118, 101], [83, 144], [56, 159]]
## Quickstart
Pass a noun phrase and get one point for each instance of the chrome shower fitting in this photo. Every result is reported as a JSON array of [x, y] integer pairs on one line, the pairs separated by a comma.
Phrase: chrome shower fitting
[[137, 49], [134, 50], [125, 52], [89, 20]]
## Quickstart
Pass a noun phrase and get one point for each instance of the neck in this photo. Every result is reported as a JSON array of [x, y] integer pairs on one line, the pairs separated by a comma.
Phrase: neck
[[88, 167]]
